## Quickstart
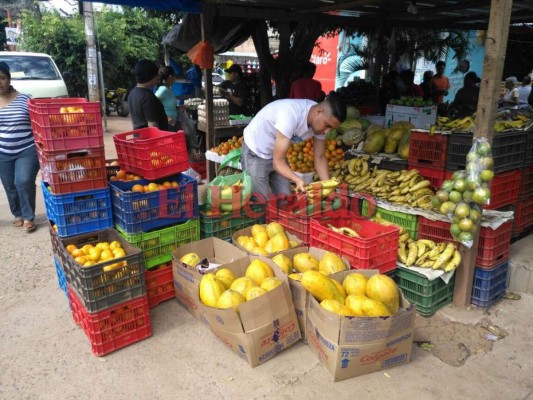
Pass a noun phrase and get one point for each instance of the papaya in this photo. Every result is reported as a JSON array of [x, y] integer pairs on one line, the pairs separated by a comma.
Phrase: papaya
[[372, 128], [335, 307], [355, 303], [374, 143], [383, 289], [391, 145], [258, 271], [331, 263], [355, 284], [374, 308], [320, 286], [403, 146], [210, 290], [270, 283], [230, 299]]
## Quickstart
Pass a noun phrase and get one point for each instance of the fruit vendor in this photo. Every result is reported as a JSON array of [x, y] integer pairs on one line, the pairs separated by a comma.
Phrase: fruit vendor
[[268, 137], [234, 90], [440, 84]]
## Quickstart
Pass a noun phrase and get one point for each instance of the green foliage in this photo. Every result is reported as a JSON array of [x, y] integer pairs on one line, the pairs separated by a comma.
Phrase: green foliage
[[122, 38]]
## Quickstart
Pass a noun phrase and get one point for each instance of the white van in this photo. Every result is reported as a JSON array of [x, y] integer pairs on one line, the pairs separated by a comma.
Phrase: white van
[[35, 74]]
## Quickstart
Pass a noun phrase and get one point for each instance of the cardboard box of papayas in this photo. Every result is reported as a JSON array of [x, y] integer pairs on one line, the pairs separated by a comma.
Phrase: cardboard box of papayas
[[353, 346], [278, 243], [300, 296], [187, 278], [263, 326]]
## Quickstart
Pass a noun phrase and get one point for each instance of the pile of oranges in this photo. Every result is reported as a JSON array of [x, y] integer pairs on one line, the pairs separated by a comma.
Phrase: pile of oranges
[[153, 187], [224, 148], [89, 255], [124, 176], [300, 155]]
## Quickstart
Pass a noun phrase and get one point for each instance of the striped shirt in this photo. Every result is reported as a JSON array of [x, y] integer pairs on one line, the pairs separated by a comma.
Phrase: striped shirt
[[15, 126]]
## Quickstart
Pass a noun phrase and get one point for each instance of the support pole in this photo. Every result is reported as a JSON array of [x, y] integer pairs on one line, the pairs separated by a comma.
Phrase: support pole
[[495, 47], [92, 59]]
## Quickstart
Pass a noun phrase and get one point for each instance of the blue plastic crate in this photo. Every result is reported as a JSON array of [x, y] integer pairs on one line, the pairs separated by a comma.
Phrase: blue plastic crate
[[61, 277], [136, 212], [489, 285], [79, 212]]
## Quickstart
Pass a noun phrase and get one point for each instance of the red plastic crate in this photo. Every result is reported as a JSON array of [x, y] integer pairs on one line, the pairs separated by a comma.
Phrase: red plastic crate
[[427, 151], [74, 170], [526, 182], [523, 215], [159, 284], [152, 153], [494, 244], [113, 328], [435, 176], [60, 131], [504, 190], [375, 249]]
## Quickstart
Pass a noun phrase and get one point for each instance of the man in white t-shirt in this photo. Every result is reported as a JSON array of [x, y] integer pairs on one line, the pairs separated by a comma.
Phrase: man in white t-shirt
[[268, 136]]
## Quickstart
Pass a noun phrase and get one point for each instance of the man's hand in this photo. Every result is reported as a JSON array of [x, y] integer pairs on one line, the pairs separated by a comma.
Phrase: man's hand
[[300, 185]]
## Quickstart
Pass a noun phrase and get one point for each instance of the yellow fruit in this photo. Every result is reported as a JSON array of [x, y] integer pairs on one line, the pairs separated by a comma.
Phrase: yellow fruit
[[270, 283], [259, 250], [94, 254], [250, 245], [89, 264], [336, 307], [261, 238], [76, 253], [355, 283], [230, 299], [81, 260], [273, 229], [190, 259], [320, 286], [303, 262], [118, 253], [226, 276], [339, 287], [383, 289], [106, 255], [374, 308], [242, 285], [70, 248], [283, 262], [87, 248], [254, 292], [210, 290], [331, 263], [258, 271], [257, 228], [277, 243], [242, 240], [296, 276], [293, 243], [114, 244], [355, 303]]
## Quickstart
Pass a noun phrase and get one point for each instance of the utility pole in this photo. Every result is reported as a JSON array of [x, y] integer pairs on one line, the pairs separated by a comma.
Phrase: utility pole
[[92, 57]]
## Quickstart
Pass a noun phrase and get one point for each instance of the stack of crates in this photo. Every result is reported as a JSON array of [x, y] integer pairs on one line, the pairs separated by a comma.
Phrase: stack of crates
[[70, 147], [428, 154], [224, 224], [159, 213], [107, 297]]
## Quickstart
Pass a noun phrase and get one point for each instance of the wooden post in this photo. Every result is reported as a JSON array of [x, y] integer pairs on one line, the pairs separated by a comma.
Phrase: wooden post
[[495, 47]]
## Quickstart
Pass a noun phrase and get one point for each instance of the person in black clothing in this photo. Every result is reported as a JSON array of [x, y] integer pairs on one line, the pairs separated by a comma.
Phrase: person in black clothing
[[389, 90], [426, 84], [465, 102], [234, 90], [145, 108]]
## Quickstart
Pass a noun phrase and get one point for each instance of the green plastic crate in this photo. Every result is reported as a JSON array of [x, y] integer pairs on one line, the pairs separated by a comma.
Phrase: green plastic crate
[[428, 296], [225, 225], [408, 221], [157, 246]]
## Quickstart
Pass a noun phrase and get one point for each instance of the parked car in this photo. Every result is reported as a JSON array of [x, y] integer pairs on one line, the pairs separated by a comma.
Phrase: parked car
[[35, 74]]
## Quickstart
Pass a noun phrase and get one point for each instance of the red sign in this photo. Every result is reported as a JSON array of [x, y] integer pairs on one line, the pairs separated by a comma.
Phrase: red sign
[[325, 58]]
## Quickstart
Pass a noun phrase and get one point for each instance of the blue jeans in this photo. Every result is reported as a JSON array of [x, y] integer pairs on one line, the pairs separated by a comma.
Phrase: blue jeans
[[18, 173]]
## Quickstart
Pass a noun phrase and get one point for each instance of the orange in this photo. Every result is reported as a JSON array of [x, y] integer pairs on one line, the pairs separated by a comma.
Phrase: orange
[[70, 248], [106, 255], [80, 260], [77, 253], [121, 174], [137, 188], [115, 244], [87, 248]]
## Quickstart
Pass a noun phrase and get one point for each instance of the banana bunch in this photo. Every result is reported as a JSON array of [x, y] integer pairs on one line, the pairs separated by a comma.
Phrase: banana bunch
[[514, 124], [456, 125], [344, 231], [425, 253], [319, 190], [404, 234]]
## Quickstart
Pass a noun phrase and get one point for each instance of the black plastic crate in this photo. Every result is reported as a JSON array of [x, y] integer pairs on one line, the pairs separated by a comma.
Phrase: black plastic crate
[[391, 165], [507, 150], [528, 154]]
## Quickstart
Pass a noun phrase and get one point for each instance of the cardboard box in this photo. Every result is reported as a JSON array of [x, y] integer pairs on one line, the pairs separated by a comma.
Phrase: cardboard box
[[263, 327], [186, 279], [353, 346], [248, 232], [300, 296], [420, 117]]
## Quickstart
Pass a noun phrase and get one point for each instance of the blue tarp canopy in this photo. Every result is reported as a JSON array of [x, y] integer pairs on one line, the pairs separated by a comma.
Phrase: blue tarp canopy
[[188, 6]]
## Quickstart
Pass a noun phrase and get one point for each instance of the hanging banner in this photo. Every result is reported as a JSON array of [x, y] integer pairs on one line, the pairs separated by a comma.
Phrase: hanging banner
[[325, 58], [12, 36]]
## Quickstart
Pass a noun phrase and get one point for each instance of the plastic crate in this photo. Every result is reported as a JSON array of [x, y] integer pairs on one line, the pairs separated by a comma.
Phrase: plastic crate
[[408, 221], [504, 190], [115, 327], [157, 246], [489, 285], [376, 248], [60, 131], [507, 150], [494, 245], [98, 289], [523, 216], [61, 277], [73, 171], [428, 296], [111, 170], [80, 212], [224, 225], [526, 182], [136, 212], [391, 165], [435, 176], [160, 284], [428, 151], [152, 153], [528, 154]]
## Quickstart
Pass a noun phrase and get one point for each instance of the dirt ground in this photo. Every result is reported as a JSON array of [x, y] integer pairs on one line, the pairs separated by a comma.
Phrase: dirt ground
[[45, 355]]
